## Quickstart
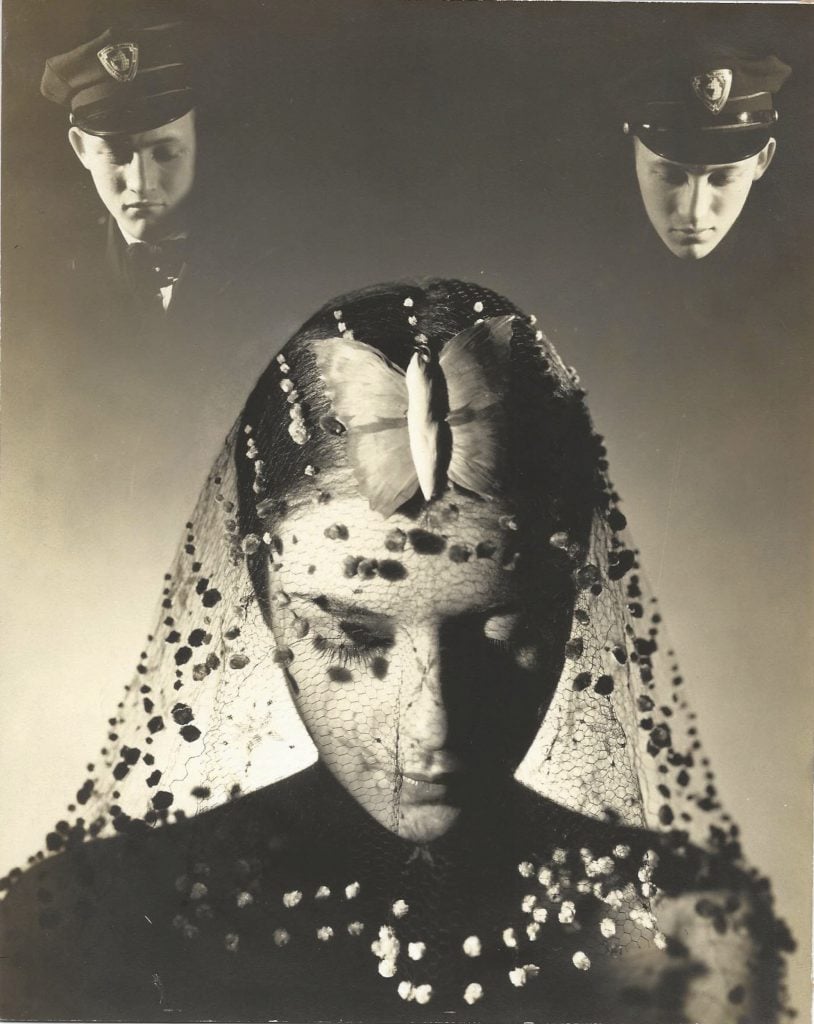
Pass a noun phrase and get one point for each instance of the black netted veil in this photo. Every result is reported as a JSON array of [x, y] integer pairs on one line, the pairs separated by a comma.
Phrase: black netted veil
[[616, 802]]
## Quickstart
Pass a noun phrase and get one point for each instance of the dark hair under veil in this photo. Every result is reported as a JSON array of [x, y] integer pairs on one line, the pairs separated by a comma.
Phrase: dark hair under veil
[[212, 868]]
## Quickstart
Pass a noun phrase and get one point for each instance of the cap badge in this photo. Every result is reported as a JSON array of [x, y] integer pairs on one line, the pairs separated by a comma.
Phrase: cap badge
[[712, 88], [120, 61]]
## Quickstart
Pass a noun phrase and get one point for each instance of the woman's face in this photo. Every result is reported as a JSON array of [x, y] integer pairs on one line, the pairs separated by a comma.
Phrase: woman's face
[[414, 663]]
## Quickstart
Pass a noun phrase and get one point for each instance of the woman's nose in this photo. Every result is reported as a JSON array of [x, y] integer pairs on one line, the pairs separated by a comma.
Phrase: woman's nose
[[425, 716]]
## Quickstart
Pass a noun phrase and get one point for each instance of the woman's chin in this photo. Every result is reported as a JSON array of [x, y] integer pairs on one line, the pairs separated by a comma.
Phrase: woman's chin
[[424, 823]]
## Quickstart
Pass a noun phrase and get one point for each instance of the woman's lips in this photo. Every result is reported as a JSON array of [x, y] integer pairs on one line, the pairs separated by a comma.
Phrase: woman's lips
[[423, 788]]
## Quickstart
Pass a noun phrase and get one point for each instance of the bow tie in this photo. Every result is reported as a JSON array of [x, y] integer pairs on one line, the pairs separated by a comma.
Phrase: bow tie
[[156, 266]]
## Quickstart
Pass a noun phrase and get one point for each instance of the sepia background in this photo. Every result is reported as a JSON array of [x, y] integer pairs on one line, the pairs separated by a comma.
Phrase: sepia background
[[351, 141]]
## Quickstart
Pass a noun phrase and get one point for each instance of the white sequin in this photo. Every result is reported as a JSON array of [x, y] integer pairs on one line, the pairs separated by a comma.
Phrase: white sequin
[[478, 307], [387, 968], [355, 927], [416, 950], [526, 868], [532, 930], [281, 937], [324, 933], [291, 899], [406, 990], [600, 866], [528, 904], [352, 890], [567, 912], [473, 993], [244, 899], [607, 927], [400, 908], [423, 994], [544, 876], [517, 976], [581, 961], [509, 937], [472, 946], [540, 915], [322, 893], [408, 302]]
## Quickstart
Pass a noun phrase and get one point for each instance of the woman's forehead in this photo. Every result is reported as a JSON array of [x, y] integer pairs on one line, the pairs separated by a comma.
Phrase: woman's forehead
[[459, 552]]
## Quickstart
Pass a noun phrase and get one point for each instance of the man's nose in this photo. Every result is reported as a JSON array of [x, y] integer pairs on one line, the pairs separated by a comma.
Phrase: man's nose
[[425, 715], [140, 175], [694, 202]]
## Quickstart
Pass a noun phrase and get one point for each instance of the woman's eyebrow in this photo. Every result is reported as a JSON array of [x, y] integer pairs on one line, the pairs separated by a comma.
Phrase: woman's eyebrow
[[344, 609]]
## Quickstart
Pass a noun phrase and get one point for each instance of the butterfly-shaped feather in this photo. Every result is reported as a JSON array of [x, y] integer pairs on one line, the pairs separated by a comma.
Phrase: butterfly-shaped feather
[[395, 421]]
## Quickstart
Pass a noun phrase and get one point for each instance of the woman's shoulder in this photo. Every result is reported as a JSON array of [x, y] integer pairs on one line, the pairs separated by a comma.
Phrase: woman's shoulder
[[74, 930]]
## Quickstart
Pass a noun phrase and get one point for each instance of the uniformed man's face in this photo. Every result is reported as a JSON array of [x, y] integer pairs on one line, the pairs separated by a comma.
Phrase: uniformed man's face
[[693, 206], [413, 664], [144, 179]]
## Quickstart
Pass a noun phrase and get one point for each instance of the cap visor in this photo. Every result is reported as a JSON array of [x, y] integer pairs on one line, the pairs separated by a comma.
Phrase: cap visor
[[710, 147], [136, 115]]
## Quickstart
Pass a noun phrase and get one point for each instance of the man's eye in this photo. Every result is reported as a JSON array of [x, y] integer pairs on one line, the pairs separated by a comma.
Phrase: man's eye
[[117, 156], [672, 177], [722, 179], [164, 154]]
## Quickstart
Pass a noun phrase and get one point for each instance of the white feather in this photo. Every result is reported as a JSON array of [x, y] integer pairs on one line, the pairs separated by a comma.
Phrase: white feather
[[421, 428]]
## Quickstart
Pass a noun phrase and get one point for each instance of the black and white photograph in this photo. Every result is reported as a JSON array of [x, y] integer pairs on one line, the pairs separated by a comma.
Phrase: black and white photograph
[[406, 487]]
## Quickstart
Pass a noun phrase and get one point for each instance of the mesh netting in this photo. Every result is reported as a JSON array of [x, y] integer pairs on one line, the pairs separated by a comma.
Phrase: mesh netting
[[448, 748]]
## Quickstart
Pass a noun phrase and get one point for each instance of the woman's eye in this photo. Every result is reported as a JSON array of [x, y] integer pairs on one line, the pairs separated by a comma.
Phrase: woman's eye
[[351, 642], [499, 629], [363, 637]]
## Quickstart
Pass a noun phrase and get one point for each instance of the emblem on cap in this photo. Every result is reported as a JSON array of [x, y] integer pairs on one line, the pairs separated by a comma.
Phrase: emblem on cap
[[120, 61], [712, 88]]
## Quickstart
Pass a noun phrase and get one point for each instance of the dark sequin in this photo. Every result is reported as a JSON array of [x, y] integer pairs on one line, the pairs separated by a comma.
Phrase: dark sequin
[[395, 540], [460, 553], [392, 570], [182, 713], [425, 543], [338, 674]]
